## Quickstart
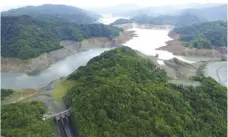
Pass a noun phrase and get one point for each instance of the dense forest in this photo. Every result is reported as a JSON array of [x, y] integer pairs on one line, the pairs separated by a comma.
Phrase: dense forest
[[25, 120], [122, 94], [180, 20], [49, 11], [26, 37], [204, 35]]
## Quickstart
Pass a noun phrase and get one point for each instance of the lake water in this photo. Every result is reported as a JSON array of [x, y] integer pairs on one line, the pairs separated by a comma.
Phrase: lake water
[[149, 40], [146, 42], [57, 70]]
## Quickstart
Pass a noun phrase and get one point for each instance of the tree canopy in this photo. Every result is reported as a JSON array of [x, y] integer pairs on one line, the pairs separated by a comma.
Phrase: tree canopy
[[122, 94], [26, 37], [204, 35], [6, 93], [25, 120]]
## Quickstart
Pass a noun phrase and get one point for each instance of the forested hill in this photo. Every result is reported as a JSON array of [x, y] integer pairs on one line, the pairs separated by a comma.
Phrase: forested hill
[[48, 11], [25, 120], [122, 94], [121, 21], [204, 35], [211, 13], [180, 20], [26, 37]]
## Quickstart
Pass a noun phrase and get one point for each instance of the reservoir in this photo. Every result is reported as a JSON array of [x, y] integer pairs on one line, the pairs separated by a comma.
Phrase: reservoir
[[147, 41], [56, 71]]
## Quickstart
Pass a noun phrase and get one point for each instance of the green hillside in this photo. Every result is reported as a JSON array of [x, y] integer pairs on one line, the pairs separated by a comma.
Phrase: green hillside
[[204, 35], [26, 37], [122, 94], [25, 120], [49, 11]]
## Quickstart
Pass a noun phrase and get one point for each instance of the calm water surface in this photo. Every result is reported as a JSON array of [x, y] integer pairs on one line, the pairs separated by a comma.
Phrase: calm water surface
[[146, 42]]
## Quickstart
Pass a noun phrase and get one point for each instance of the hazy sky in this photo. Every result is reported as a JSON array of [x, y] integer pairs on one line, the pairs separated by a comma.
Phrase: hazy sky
[[8, 4]]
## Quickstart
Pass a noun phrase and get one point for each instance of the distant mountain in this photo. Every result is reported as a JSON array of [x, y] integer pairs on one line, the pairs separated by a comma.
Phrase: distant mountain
[[164, 10], [181, 20], [188, 19], [156, 11], [121, 21], [25, 37], [210, 13], [48, 11], [117, 10]]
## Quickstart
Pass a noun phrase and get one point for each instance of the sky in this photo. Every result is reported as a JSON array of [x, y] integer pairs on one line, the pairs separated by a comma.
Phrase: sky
[[9, 4]]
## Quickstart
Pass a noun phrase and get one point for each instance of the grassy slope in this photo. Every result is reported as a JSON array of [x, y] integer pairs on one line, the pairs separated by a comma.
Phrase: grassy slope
[[61, 88]]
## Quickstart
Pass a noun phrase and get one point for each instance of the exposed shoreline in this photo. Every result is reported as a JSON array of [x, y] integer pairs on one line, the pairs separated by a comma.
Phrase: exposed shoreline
[[69, 48], [176, 47]]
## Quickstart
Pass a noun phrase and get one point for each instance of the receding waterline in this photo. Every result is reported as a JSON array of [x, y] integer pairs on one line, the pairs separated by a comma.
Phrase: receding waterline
[[59, 69], [146, 42]]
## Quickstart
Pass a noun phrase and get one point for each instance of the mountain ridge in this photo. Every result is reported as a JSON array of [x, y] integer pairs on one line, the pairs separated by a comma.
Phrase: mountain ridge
[[68, 13], [26, 37]]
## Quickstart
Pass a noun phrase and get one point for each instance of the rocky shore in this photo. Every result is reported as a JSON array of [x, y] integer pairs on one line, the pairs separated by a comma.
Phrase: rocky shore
[[69, 47]]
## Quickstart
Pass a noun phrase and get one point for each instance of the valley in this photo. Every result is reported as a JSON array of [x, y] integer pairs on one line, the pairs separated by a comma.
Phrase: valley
[[115, 76], [40, 71]]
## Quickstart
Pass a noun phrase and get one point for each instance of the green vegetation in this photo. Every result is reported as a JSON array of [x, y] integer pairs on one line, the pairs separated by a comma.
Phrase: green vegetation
[[62, 12], [122, 94], [25, 120], [121, 21], [204, 35], [181, 20], [6, 93], [61, 88], [224, 59], [25, 37]]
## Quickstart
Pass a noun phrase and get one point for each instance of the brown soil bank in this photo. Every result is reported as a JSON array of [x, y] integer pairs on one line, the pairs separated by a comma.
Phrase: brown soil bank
[[176, 47], [69, 48]]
